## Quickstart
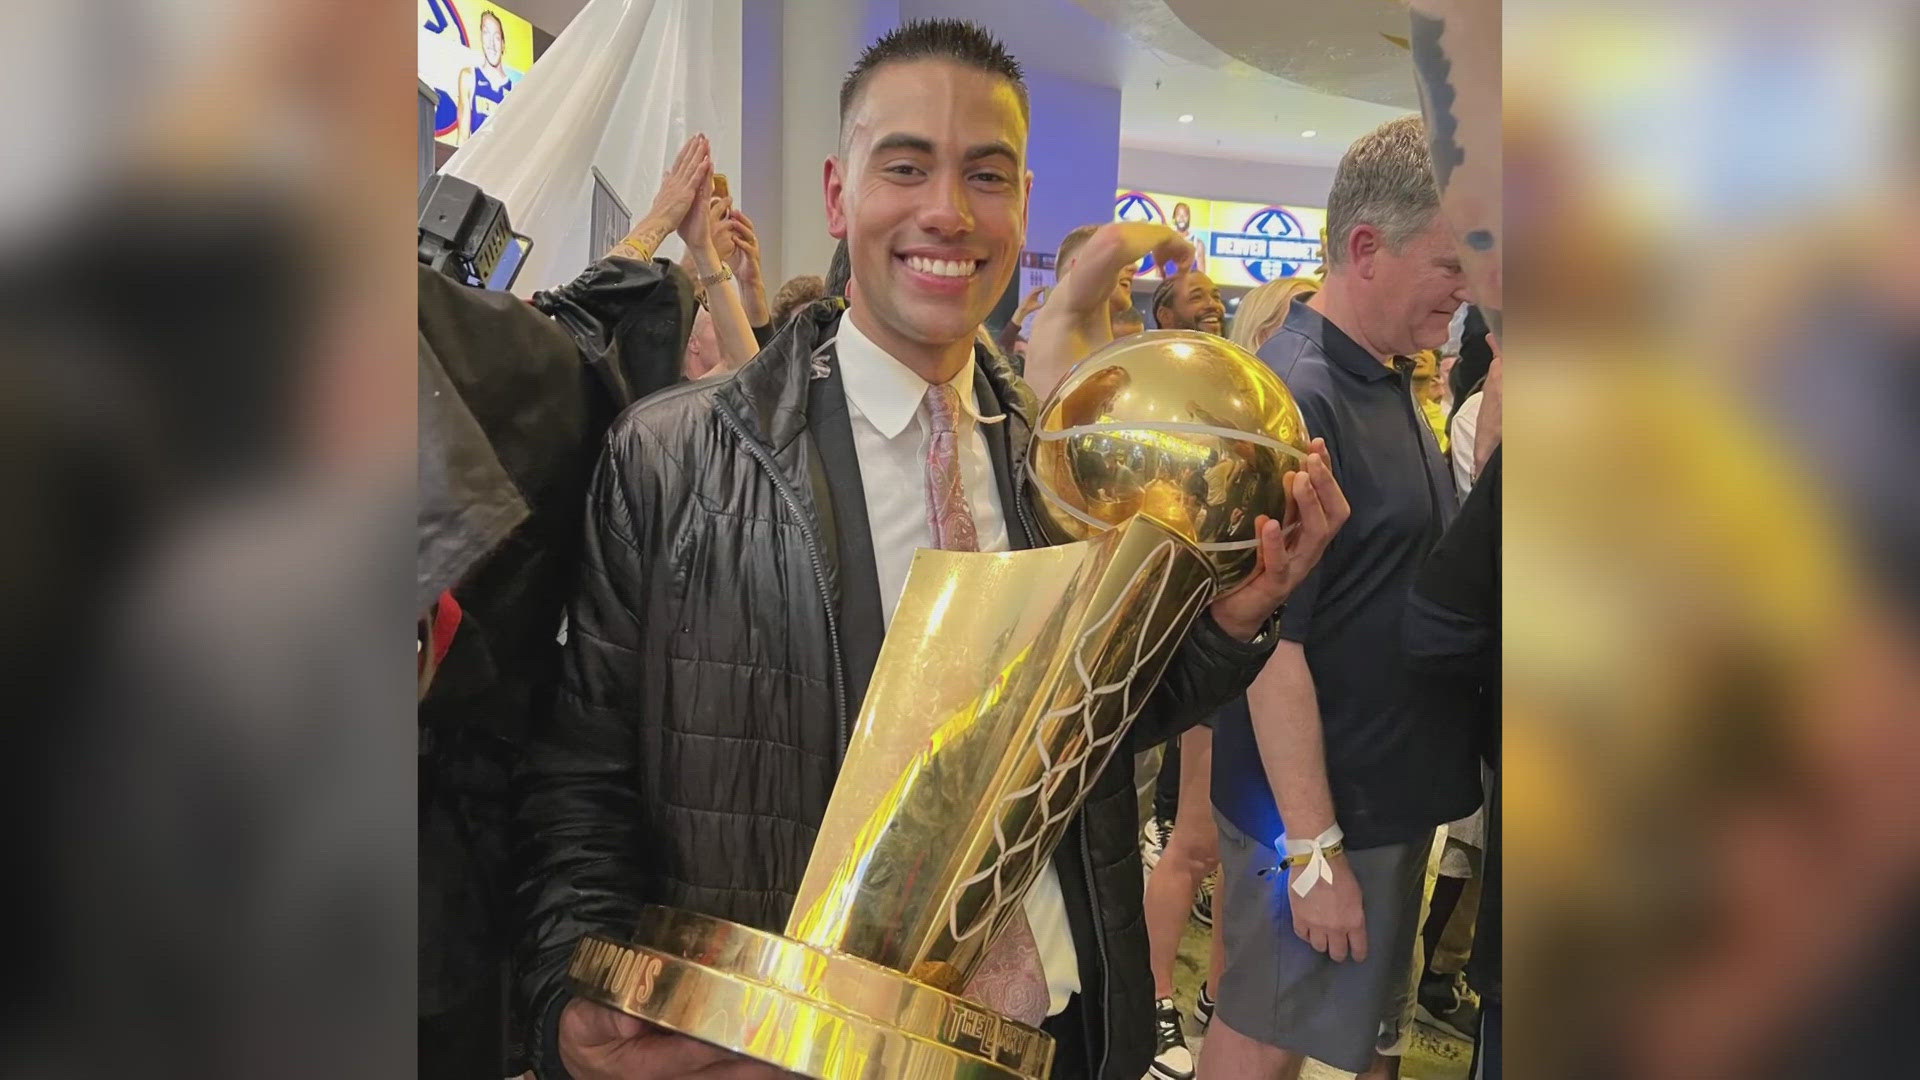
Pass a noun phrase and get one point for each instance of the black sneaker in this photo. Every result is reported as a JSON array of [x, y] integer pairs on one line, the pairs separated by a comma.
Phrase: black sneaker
[[1203, 903], [1171, 1059], [1449, 1004], [1203, 1008]]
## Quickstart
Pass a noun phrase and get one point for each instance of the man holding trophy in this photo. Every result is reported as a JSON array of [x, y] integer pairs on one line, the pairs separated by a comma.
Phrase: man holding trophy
[[811, 800]]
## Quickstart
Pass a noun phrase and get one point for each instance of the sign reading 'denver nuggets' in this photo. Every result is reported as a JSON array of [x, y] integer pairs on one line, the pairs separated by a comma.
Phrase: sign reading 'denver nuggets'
[[1238, 243]]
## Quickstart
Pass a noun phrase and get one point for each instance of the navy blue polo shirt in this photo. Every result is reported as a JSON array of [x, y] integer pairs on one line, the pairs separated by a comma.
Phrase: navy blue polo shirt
[[1350, 612]]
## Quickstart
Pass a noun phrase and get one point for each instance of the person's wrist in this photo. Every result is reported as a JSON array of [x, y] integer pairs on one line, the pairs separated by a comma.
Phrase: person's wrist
[[1237, 622], [702, 258], [1335, 861], [654, 224], [1239, 630]]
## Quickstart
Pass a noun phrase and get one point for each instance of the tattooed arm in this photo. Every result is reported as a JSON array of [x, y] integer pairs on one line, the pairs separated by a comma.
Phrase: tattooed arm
[[677, 190], [1456, 58], [641, 243]]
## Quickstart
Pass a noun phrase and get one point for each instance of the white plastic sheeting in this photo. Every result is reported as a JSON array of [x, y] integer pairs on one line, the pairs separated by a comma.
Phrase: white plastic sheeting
[[621, 88]]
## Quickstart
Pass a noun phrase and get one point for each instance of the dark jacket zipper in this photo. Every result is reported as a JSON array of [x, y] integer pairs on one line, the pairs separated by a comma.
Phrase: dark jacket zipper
[[765, 459]]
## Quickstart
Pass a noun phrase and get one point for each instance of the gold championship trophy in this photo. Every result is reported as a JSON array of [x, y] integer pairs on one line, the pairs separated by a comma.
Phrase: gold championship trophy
[[1005, 684]]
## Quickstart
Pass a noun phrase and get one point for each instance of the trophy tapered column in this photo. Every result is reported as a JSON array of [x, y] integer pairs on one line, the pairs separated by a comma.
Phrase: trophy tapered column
[[1006, 684], [981, 734]]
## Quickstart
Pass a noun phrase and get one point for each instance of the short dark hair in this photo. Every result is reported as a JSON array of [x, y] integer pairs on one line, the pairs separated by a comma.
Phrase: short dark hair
[[962, 42], [1070, 245], [1163, 297]]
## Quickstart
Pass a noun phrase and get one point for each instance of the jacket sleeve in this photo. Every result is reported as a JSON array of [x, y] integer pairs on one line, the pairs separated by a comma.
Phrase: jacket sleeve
[[1209, 669], [582, 839], [630, 321]]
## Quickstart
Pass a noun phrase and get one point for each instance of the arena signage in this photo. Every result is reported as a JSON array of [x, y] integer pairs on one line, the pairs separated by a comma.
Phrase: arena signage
[[1241, 244]]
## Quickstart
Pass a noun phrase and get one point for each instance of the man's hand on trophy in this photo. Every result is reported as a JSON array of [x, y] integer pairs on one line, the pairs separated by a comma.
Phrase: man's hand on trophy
[[1076, 318], [1316, 508], [599, 1043]]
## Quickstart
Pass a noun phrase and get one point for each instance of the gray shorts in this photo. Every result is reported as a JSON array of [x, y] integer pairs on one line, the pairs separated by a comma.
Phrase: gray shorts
[[1279, 990]]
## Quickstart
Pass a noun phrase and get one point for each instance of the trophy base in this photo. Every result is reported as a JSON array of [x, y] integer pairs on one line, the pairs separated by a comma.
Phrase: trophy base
[[800, 1008]]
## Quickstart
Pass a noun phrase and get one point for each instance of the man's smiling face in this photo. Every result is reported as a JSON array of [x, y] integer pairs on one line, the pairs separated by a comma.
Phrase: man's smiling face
[[1196, 304], [930, 193], [492, 41]]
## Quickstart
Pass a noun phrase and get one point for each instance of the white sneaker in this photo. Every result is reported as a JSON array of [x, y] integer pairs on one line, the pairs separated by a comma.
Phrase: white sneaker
[[1171, 1060], [1203, 1007], [1203, 900], [1153, 841]]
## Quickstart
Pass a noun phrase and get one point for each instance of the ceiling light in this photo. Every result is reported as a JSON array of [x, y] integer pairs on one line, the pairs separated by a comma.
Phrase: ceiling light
[[1308, 134], [1186, 118]]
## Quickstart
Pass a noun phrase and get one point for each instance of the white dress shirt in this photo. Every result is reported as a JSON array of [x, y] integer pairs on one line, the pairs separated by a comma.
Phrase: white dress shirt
[[1466, 425], [885, 405]]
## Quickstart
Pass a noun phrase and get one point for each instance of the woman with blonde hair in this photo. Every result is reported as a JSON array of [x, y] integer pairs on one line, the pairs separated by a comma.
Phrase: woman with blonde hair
[[1262, 311]]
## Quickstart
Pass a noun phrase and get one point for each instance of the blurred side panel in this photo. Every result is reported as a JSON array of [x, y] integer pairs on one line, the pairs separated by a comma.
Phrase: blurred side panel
[[1713, 630], [207, 370]]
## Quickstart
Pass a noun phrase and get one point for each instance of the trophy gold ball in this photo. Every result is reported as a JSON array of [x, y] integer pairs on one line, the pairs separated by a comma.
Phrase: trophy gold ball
[[1188, 428]]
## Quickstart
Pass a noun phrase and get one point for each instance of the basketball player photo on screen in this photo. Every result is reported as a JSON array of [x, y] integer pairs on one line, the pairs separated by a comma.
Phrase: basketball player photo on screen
[[473, 54]]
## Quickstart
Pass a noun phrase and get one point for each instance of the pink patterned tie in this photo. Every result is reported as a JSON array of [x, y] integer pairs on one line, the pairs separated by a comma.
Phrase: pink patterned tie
[[1010, 979], [949, 519]]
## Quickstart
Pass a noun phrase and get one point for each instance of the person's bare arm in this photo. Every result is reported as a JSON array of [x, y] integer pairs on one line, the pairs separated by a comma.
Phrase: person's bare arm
[[745, 261], [677, 190], [463, 114], [1010, 333], [1075, 319], [1456, 60], [724, 304], [644, 239], [1286, 728]]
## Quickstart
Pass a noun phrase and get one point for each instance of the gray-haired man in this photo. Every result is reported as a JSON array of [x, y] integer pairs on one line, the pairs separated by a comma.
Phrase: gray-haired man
[[1326, 794]]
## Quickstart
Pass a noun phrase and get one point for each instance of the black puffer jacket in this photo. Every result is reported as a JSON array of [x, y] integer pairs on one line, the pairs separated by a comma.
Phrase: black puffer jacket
[[712, 669]]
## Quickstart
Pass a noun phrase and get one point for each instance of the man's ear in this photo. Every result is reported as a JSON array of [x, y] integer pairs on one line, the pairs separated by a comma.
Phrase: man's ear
[[1363, 246], [835, 183]]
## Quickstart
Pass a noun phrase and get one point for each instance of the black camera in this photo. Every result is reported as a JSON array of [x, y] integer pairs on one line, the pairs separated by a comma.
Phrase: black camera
[[464, 234]]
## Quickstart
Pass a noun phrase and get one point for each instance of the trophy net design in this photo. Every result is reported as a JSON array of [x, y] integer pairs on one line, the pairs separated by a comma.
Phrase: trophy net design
[[1065, 776]]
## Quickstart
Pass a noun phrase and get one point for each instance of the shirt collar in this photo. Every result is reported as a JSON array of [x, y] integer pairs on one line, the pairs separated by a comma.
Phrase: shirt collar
[[886, 391], [1334, 341]]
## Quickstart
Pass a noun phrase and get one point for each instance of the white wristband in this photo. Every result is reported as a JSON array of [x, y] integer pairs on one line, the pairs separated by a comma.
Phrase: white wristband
[[1318, 869]]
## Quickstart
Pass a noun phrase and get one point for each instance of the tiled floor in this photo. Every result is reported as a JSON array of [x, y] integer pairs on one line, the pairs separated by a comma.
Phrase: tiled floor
[[1433, 1055]]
